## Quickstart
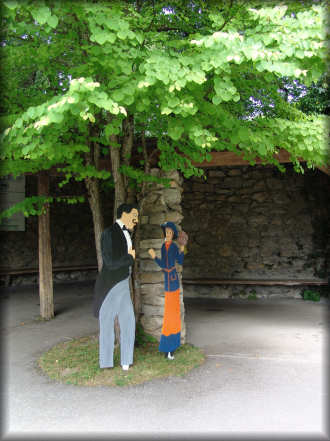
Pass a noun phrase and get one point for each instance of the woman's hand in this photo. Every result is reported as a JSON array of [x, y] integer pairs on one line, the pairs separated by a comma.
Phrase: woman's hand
[[182, 239], [152, 253]]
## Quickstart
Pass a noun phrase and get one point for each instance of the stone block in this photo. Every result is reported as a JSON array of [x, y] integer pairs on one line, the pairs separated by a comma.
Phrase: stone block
[[175, 184], [257, 220], [214, 197], [266, 251], [233, 182], [275, 184], [193, 196], [154, 208], [189, 271], [152, 289], [172, 196], [289, 250], [223, 191], [281, 198], [151, 198], [151, 243], [282, 295], [152, 310], [152, 300], [216, 174], [156, 333], [225, 251], [151, 277], [205, 188], [152, 323], [155, 172], [143, 254], [260, 197], [152, 231], [253, 266], [235, 172], [177, 207], [172, 174], [213, 181], [234, 199], [276, 221], [174, 216], [149, 265], [191, 224], [157, 219], [260, 185], [245, 191], [190, 291]]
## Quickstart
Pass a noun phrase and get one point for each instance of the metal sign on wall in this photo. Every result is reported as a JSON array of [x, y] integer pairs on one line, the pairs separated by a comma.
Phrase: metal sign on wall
[[12, 191]]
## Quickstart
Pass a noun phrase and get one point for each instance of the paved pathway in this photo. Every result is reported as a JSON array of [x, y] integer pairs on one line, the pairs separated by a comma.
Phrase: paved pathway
[[264, 375]]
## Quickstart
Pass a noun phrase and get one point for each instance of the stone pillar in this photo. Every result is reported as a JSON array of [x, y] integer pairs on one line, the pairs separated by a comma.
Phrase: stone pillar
[[160, 205]]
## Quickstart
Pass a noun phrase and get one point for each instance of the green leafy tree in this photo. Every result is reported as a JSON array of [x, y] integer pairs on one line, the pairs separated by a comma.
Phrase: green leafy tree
[[313, 99], [90, 80], [316, 98]]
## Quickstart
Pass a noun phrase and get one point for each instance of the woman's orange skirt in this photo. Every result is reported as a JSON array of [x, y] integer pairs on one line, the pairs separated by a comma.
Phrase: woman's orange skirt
[[171, 330]]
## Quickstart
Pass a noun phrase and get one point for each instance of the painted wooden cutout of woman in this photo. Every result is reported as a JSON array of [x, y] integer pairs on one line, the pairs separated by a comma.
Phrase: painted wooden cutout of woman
[[170, 254]]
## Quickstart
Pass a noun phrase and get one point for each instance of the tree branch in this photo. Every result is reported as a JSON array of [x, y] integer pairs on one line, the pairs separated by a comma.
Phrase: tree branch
[[145, 153]]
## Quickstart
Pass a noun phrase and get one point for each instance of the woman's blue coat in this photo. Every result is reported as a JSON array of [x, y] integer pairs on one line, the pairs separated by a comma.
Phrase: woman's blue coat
[[167, 263]]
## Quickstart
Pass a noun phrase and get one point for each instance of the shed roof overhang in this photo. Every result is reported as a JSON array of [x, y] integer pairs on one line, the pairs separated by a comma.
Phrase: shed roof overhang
[[230, 159], [218, 159]]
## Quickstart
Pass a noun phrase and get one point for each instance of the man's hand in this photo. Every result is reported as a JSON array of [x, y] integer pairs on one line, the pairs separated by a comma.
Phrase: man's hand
[[131, 252], [152, 253]]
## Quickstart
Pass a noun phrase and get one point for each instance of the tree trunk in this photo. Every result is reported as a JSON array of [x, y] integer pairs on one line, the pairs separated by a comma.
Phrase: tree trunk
[[137, 238], [120, 198], [128, 131], [135, 290], [128, 138], [121, 155], [94, 199], [45, 254], [120, 190]]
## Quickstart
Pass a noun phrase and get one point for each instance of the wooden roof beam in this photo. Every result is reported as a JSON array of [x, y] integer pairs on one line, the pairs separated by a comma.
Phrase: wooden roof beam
[[226, 158], [325, 170], [218, 159]]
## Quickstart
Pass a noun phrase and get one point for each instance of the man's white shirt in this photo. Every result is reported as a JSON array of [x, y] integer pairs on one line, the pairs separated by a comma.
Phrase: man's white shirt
[[126, 233]]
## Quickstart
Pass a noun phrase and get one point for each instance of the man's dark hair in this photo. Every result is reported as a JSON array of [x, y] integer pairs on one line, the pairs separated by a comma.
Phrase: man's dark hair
[[127, 208]]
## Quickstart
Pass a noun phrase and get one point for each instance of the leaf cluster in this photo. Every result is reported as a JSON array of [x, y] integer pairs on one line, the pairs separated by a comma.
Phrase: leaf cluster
[[198, 76]]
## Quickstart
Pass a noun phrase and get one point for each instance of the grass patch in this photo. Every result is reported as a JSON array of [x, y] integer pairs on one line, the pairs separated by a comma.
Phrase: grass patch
[[77, 362], [252, 295], [311, 295]]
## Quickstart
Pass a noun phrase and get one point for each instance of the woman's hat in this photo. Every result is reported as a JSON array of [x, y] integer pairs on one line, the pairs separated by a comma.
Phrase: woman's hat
[[173, 228]]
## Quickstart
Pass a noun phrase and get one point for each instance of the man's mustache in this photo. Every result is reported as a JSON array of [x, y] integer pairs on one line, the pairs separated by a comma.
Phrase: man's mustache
[[134, 222]]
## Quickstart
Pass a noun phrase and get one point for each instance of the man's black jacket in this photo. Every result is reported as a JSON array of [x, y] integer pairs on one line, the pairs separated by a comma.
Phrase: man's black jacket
[[116, 263]]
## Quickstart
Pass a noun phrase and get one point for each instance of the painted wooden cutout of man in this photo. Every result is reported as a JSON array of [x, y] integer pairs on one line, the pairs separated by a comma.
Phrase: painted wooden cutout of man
[[112, 293]]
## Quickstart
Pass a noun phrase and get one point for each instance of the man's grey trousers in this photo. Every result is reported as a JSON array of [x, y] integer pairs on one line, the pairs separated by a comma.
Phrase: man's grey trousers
[[117, 302]]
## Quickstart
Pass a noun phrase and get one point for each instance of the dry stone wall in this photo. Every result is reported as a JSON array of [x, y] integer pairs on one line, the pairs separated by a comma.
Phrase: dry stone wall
[[256, 223], [72, 236], [243, 223]]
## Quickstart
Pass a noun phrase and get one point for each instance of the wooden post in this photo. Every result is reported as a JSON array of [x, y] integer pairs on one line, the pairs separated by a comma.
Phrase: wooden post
[[45, 255]]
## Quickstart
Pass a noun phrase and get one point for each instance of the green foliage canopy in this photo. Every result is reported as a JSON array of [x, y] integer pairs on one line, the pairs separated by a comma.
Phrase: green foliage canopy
[[188, 73]]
